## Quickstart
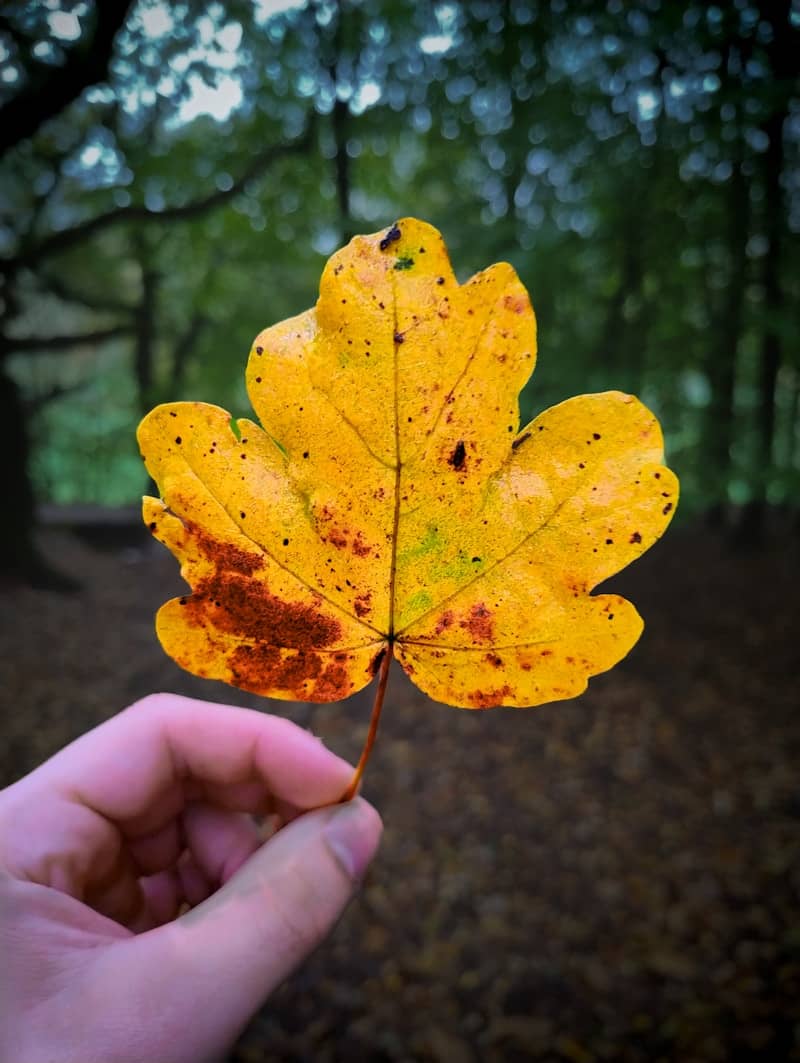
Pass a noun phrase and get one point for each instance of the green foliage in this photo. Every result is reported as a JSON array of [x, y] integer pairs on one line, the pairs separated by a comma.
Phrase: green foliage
[[618, 156]]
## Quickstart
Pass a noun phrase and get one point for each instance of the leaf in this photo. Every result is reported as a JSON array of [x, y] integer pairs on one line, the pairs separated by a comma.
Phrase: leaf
[[390, 503]]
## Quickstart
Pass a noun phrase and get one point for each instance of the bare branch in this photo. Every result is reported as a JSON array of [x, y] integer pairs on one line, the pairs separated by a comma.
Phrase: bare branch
[[45, 344], [56, 286], [61, 241]]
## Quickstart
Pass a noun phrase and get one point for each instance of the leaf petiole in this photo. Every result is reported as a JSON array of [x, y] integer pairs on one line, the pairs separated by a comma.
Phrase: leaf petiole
[[377, 705]]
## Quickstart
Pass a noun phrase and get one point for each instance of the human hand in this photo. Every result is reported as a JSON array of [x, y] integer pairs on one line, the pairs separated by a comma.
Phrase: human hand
[[104, 844]]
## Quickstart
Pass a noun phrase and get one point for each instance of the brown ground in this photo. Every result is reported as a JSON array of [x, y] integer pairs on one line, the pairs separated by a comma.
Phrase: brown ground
[[611, 878]]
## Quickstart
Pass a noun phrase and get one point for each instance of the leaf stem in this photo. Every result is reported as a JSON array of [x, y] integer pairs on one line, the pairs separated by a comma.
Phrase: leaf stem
[[377, 705]]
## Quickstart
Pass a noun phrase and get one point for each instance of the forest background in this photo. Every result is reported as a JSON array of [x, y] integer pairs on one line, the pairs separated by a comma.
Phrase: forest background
[[174, 176]]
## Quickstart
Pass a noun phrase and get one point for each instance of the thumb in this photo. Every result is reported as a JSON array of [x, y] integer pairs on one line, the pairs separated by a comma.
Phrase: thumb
[[211, 969]]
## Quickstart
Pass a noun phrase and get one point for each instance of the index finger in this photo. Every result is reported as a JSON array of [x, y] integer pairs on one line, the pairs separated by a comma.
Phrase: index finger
[[126, 766]]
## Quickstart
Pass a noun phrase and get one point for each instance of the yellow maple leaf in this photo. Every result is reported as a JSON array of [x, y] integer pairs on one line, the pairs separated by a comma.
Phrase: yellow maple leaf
[[389, 506]]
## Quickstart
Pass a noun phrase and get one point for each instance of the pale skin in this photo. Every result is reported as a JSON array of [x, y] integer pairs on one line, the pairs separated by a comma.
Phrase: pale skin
[[142, 914]]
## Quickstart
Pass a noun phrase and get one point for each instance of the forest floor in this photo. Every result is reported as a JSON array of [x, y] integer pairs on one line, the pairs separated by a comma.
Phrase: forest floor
[[612, 878]]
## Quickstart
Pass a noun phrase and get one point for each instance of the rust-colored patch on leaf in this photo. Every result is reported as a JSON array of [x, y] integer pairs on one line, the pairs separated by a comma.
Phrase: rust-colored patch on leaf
[[246, 608], [226, 556], [490, 699], [479, 623]]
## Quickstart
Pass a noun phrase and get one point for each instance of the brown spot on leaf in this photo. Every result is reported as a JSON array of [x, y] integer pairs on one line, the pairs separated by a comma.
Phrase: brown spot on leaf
[[517, 304], [636, 537], [363, 604], [489, 699], [520, 440], [479, 623], [359, 547], [493, 660], [444, 622]]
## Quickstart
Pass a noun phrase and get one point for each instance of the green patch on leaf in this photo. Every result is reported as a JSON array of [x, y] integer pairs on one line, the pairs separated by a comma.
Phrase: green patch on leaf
[[404, 263]]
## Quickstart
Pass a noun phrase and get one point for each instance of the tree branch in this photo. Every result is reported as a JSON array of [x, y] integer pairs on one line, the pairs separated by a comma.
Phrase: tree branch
[[56, 286], [44, 344], [65, 239], [52, 89]]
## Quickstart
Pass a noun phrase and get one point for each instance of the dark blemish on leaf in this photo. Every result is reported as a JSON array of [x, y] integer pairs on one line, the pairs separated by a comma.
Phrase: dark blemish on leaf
[[457, 458], [259, 350], [422, 250], [338, 269], [178, 439], [172, 413], [596, 435], [243, 456], [182, 601], [391, 237], [657, 475], [398, 337], [667, 508], [520, 440], [285, 542], [444, 622], [258, 380], [581, 465], [153, 525], [404, 263], [242, 514], [440, 280], [305, 453], [344, 300], [610, 616], [476, 560], [609, 542], [494, 660], [636, 538]]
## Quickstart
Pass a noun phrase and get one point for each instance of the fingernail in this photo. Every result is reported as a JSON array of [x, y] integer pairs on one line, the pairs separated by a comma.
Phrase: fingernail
[[352, 835]]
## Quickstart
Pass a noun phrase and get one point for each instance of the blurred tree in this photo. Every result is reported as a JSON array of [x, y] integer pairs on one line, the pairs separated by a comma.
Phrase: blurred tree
[[637, 163]]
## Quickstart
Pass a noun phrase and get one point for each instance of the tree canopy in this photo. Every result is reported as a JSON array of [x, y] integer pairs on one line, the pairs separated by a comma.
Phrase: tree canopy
[[174, 175]]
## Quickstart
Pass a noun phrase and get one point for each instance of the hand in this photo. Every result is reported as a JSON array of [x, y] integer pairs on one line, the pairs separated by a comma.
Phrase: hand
[[104, 845]]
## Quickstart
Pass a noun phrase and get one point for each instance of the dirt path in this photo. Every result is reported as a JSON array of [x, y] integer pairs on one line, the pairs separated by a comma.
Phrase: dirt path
[[615, 878]]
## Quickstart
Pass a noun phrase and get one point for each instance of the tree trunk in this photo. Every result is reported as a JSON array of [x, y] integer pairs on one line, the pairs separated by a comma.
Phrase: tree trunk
[[782, 55], [721, 366], [19, 555]]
